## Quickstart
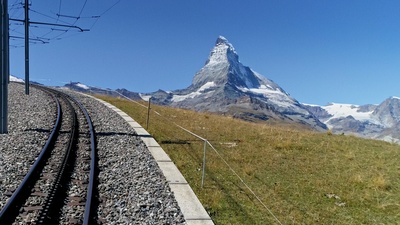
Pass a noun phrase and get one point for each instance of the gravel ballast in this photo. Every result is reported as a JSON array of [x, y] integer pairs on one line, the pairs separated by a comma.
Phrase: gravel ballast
[[30, 121], [132, 188]]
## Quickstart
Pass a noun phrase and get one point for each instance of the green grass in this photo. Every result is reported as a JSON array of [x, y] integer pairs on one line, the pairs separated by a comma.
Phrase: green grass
[[301, 176]]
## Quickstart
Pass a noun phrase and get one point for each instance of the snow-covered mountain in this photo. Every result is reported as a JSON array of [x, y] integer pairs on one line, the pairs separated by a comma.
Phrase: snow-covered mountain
[[77, 86], [370, 121], [16, 79], [225, 85]]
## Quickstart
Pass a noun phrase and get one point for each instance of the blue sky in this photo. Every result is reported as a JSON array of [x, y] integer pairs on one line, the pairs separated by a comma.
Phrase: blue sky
[[318, 51]]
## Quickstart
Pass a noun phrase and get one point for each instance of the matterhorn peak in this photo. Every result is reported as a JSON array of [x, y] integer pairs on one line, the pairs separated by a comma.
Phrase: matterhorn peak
[[223, 52], [223, 67], [225, 85], [222, 40]]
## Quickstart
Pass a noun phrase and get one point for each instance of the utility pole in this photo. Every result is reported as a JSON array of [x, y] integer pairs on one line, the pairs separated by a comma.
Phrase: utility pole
[[26, 47], [27, 23], [5, 65], [5, 57]]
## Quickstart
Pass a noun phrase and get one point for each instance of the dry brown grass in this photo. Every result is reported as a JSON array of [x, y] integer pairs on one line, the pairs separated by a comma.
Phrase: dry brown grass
[[303, 177]]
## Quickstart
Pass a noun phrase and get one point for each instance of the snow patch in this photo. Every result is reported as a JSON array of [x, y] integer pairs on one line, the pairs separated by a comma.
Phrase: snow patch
[[201, 90], [82, 86], [262, 90], [145, 97], [344, 110], [16, 79], [274, 95], [312, 105]]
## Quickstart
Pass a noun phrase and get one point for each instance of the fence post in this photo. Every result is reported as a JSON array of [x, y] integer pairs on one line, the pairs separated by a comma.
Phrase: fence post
[[148, 114], [204, 163]]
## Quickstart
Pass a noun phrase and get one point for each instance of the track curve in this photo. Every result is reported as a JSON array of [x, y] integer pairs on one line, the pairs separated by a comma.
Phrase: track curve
[[50, 209]]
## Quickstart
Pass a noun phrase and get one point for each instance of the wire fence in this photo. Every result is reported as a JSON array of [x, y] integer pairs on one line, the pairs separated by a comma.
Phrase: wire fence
[[206, 143]]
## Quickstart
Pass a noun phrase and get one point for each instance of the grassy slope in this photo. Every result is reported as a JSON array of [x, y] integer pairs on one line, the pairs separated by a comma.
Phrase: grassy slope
[[302, 177]]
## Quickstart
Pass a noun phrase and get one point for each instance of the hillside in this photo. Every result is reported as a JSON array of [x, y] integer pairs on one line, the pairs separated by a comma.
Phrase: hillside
[[299, 176]]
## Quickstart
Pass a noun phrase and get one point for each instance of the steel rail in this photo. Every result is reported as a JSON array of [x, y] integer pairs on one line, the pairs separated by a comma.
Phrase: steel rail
[[13, 205], [88, 215], [11, 209], [46, 215]]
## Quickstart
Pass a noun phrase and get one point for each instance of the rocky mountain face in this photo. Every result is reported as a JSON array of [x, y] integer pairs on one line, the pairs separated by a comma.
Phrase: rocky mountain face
[[224, 85], [369, 121]]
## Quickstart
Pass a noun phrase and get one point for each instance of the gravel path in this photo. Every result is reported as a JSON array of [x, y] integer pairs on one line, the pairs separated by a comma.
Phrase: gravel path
[[132, 188]]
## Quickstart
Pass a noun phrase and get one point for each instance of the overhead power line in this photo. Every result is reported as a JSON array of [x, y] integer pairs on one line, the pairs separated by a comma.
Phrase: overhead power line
[[47, 24], [5, 37], [53, 24]]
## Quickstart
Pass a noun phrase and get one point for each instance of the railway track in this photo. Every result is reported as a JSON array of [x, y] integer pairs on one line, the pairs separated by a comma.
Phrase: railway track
[[60, 186]]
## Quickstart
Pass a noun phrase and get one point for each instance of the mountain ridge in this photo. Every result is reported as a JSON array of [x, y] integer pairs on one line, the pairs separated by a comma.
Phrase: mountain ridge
[[224, 85], [376, 121], [345, 121]]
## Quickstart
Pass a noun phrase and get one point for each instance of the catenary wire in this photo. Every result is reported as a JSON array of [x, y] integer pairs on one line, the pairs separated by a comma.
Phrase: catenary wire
[[59, 34]]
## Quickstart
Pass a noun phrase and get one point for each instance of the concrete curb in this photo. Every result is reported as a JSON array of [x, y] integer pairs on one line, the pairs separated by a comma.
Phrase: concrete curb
[[191, 208]]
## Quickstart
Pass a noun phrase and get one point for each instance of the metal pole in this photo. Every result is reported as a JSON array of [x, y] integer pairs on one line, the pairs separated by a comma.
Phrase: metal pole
[[27, 47], [5, 69], [148, 115], [204, 164]]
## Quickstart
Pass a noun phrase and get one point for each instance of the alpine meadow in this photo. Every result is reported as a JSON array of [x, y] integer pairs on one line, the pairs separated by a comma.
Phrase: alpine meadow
[[264, 173]]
